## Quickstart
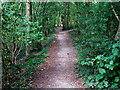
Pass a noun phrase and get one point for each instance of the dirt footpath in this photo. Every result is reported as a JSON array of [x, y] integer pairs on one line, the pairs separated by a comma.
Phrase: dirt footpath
[[58, 71]]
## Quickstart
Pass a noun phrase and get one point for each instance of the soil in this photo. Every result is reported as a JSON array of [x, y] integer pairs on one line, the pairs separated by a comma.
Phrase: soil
[[58, 70]]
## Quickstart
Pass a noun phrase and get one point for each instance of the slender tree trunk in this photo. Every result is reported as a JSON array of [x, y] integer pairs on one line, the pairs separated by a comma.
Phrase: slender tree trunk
[[64, 19], [117, 36], [0, 46], [31, 11], [77, 17], [77, 14], [43, 20], [68, 13], [28, 27]]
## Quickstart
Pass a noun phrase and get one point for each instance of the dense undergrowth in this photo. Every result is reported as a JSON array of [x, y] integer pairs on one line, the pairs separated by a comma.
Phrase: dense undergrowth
[[21, 35], [22, 72], [100, 65], [98, 51]]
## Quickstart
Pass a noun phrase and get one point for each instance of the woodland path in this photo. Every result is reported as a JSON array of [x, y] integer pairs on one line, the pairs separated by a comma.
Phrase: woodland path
[[58, 71]]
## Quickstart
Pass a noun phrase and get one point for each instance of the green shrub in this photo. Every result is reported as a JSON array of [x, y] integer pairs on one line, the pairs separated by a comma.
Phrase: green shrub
[[98, 52], [99, 65]]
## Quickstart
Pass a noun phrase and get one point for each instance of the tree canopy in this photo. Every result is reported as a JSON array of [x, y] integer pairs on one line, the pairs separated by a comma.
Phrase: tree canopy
[[26, 26]]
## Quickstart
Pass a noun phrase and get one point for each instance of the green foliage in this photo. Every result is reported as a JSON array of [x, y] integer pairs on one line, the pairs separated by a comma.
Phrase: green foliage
[[21, 73], [17, 32], [96, 29], [100, 70], [98, 52]]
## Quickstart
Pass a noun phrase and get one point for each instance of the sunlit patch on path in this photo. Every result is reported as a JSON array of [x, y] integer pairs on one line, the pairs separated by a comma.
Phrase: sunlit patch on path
[[58, 71]]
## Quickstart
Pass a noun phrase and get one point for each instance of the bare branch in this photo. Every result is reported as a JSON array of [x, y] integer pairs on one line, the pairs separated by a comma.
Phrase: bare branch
[[115, 12]]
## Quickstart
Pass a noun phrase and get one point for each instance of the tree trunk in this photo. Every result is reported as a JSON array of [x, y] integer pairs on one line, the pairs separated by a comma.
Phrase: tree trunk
[[31, 11], [117, 36], [68, 13], [64, 18], [43, 20], [28, 27], [0, 46]]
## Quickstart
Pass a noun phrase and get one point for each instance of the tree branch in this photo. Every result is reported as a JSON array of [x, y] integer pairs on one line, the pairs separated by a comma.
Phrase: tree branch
[[115, 12]]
